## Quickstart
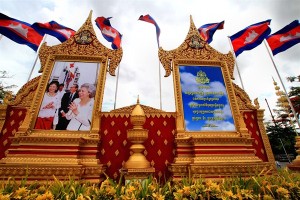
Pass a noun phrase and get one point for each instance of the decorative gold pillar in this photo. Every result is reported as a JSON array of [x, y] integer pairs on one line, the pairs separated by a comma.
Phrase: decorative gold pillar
[[295, 165], [137, 166]]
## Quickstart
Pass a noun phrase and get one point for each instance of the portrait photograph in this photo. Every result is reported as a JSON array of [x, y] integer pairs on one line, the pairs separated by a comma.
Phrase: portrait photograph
[[68, 100]]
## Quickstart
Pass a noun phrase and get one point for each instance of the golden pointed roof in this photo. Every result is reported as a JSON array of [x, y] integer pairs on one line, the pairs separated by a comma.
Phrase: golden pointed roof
[[194, 48], [83, 44]]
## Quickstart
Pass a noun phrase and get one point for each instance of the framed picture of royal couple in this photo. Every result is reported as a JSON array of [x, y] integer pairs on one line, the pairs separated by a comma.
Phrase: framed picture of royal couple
[[69, 96]]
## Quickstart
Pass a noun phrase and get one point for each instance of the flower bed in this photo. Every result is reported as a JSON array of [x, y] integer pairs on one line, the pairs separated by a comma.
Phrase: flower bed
[[282, 185]]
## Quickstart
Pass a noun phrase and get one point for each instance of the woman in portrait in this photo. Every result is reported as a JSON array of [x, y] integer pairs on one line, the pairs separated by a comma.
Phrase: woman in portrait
[[80, 110], [48, 108]]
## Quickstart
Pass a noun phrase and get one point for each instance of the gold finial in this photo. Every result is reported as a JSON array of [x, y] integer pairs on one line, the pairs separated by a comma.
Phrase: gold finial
[[138, 110], [191, 19], [193, 27], [274, 82], [90, 15]]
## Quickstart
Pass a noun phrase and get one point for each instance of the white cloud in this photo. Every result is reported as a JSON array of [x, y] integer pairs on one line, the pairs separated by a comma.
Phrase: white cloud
[[226, 112], [221, 126]]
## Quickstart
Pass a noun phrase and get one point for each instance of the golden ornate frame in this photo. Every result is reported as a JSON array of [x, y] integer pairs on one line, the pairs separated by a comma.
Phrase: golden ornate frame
[[30, 121], [178, 92]]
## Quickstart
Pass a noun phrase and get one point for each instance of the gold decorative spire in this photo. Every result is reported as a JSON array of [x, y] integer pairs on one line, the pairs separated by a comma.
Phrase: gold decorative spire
[[137, 162], [90, 15], [138, 110]]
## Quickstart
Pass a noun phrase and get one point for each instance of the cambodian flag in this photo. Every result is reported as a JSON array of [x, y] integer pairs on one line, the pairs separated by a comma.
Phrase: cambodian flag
[[71, 73], [148, 18], [20, 32], [55, 29], [207, 31], [285, 38], [108, 32], [250, 37]]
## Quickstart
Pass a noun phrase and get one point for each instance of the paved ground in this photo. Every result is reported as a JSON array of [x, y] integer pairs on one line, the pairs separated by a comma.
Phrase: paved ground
[[283, 164]]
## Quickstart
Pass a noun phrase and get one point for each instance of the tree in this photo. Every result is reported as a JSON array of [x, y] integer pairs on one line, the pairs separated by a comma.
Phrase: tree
[[282, 139], [281, 131], [4, 88]]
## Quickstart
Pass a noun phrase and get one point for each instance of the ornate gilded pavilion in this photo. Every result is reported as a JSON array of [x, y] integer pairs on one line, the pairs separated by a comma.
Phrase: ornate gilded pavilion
[[157, 141]]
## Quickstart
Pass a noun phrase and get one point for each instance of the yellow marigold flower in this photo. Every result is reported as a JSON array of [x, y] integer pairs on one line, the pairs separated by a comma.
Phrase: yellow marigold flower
[[151, 188], [4, 197], [131, 189], [177, 196], [239, 196], [104, 184], [214, 187], [111, 190], [128, 197], [80, 197], [158, 196], [21, 192], [228, 193], [180, 191], [282, 192], [245, 193], [47, 196], [186, 190], [208, 182], [268, 197]]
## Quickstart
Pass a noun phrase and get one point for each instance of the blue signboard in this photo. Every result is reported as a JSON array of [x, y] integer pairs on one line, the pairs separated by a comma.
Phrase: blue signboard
[[205, 100]]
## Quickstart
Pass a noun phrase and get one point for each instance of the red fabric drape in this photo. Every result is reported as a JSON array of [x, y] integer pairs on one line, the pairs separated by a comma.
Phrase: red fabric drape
[[159, 147], [14, 118], [250, 119]]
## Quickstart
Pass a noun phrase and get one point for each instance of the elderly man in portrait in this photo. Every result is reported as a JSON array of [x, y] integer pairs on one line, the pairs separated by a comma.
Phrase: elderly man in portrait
[[66, 100]]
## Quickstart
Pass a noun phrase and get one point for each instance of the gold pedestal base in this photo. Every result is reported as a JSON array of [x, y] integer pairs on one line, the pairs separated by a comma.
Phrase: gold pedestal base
[[45, 173], [137, 161], [137, 174], [216, 171], [41, 156]]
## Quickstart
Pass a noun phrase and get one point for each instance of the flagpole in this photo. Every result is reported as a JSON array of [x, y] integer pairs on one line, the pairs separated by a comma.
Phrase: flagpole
[[159, 74], [149, 19], [37, 56], [117, 83], [237, 67], [286, 94]]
